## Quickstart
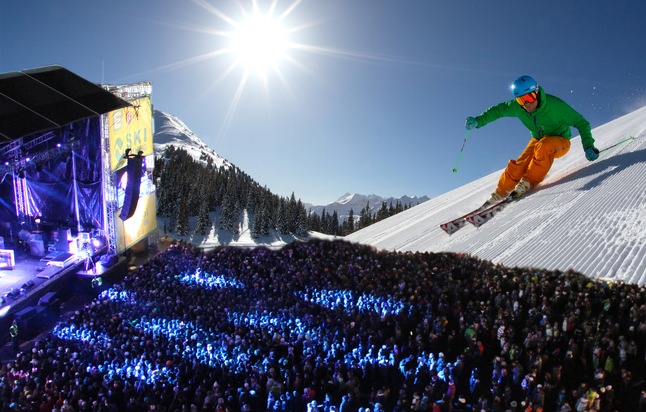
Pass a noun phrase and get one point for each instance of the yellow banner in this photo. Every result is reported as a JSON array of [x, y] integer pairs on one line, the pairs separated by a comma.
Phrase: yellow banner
[[140, 225], [130, 128]]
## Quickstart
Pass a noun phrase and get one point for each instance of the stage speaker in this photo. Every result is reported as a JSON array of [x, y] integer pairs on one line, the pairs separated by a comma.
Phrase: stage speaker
[[63, 233], [37, 248], [48, 299], [62, 244], [134, 170], [63, 236], [28, 285], [13, 293], [27, 322], [26, 314]]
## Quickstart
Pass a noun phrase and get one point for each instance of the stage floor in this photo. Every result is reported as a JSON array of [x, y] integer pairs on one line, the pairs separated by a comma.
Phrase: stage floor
[[26, 269], [65, 284], [31, 274]]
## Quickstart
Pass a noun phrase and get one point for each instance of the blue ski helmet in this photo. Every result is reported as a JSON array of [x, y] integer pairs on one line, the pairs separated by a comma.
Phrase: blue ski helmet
[[523, 85]]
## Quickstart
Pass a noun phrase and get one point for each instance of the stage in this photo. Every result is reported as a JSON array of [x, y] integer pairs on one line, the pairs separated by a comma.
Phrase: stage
[[70, 190], [34, 289]]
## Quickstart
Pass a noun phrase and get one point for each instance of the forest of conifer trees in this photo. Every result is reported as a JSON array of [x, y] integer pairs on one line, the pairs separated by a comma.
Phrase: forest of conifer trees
[[187, 188]]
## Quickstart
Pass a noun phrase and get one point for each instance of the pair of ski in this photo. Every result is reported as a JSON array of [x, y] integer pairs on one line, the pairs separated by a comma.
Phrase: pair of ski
[[477, 217]]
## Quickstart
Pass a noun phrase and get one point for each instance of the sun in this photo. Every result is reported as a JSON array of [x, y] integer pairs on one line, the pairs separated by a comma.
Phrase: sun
[[259, 43], [262, 42], [259, 40], [255, 36]]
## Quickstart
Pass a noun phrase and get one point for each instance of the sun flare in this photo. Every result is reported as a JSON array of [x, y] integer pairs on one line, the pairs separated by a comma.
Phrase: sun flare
[[259, 43]]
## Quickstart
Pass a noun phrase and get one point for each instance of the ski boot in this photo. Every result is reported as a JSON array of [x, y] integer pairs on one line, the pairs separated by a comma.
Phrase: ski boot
[[521, 188]]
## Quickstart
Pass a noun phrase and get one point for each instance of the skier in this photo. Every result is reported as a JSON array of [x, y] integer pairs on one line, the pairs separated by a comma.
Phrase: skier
[[548, 118]]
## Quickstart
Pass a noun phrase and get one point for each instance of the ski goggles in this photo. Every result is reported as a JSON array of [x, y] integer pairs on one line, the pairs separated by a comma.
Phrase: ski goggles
[[527, 98]]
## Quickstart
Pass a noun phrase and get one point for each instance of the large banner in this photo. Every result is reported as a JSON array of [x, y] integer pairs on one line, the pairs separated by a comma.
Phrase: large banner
[[140, 225], [130, 128]]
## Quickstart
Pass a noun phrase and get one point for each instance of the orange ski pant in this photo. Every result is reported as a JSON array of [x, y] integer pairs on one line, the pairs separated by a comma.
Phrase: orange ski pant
[[533, 164]]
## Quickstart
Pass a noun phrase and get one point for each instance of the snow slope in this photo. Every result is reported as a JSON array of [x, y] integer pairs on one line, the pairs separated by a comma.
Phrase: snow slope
[[586, 216]]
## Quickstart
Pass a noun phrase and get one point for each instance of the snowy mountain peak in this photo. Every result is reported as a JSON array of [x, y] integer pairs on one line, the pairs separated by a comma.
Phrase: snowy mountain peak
[[586, 216], [171, 131], [346, 198], [355, 199], [356, 202]]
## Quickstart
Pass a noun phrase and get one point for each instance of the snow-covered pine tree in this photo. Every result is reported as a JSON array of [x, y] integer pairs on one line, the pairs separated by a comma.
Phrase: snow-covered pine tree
[[204, 223], [182, 220]]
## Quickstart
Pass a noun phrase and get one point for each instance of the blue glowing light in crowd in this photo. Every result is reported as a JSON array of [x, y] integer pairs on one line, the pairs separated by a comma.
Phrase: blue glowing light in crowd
[[349, 300], [269, 322], [209, 281], [195, 344], [292, 330], [126, 367], [117, 295], [188, 341]]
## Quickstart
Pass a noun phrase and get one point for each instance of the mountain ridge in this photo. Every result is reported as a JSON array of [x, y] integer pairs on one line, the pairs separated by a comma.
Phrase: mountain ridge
[[358, 202]]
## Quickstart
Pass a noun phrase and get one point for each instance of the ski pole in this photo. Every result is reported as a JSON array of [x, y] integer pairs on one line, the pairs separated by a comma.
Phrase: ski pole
[[617, 144], [466, 136]]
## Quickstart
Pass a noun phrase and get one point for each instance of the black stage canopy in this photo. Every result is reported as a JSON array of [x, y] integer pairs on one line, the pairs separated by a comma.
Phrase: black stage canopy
[[36, 100]]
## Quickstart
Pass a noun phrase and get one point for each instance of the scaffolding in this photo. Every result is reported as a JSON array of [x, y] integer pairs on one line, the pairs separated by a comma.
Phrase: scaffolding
[[130, 92], [20, 194], [110, 204], [17, 165]]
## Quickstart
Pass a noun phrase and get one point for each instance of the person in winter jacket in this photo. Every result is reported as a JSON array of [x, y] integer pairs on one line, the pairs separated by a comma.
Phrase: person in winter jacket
[[548, 119]]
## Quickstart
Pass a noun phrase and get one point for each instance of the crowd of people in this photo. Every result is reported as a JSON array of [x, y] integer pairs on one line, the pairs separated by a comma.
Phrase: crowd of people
[[334, 326]]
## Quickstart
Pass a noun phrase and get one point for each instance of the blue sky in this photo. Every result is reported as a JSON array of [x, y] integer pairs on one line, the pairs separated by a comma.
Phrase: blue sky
[[367, 96]]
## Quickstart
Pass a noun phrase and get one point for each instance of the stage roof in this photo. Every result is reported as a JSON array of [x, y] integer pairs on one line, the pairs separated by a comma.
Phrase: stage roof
[[45, 98]]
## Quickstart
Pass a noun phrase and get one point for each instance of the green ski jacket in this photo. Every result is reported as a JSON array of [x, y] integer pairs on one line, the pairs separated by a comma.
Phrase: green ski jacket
[[552, 117]]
